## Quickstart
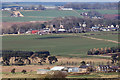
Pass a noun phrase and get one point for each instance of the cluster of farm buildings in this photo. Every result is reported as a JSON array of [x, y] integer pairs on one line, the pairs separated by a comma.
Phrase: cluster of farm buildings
[[83, 69], [77, 29]]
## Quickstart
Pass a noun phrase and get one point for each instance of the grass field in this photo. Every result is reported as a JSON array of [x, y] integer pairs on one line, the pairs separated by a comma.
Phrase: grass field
[[34, 75], [47, 15], [60, 45], [105, 35], [37, 15]]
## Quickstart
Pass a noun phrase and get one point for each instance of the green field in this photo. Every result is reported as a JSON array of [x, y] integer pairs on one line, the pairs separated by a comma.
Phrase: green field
[[73, 45], [47, 15], [105, 35], [37, 15], [34, 75]]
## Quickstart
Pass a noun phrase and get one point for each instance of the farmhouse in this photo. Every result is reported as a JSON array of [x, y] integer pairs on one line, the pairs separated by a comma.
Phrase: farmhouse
[[77, 29], [95, 28], [107, 68]]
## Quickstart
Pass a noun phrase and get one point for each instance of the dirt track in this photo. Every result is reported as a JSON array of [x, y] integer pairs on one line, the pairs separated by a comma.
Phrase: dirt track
[[101, 39]]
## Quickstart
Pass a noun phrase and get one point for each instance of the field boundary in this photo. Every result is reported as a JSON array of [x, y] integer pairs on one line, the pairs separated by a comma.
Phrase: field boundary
[[101, 39]]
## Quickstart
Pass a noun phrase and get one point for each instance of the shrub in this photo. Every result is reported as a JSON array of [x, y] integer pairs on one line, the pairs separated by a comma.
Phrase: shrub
[[89, 52], [96, 52], [24, 71], [13, 71]]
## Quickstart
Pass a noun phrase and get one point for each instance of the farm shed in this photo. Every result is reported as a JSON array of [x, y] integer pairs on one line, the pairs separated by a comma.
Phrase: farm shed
[[73, 69], [57, 68], [114, 68], [103, 68], [42, 71], [83, 68]]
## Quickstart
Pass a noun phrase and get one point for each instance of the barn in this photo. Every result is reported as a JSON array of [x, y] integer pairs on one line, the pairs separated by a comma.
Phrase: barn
[[42, 71]]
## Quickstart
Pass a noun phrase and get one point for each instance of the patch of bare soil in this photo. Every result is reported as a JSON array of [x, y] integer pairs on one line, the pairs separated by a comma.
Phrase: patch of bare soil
[[9, 24]]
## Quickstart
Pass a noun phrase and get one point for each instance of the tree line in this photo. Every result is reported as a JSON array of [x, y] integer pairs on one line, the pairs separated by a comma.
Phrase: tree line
[[68, 23], [25, 57], [92, 5], [102, 51]]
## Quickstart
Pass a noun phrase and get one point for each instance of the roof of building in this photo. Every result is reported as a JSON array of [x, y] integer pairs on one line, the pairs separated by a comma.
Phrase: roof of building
[[57, 68], [83, 66]]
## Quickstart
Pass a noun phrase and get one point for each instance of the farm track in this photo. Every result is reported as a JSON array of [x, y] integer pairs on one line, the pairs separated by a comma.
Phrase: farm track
[[101, 39]]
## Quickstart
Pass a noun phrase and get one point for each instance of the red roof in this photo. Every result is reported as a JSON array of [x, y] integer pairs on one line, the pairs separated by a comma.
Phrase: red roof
[[34, 31]]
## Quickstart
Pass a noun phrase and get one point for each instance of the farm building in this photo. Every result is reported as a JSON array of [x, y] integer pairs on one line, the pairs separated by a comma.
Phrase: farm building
[[57, 68], [50, 7], [103, 68], [73, 69], [42, 32], [21, 31], [66, 9], [69, 69], [83, 68], [95, 28], [34, 31], [42, 71], [114, 68], [77, 29]]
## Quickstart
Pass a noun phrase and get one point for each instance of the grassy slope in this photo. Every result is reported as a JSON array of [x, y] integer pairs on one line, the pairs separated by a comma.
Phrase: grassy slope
[[57, 44]]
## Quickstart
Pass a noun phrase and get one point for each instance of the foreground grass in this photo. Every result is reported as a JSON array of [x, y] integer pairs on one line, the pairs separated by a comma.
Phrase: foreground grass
[[34, 75], [96, 75]]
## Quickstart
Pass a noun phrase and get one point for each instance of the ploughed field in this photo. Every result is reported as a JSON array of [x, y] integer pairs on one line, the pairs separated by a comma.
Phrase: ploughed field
[[71, 45], [47, 15]]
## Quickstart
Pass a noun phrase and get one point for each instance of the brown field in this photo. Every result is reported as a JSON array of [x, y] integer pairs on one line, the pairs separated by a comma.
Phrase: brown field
[[6, 25], [30, 68]]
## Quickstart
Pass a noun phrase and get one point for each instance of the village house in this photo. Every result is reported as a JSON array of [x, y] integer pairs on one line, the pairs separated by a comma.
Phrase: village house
[[95, 28], [77, 29], [61, 29], [107, 68]]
